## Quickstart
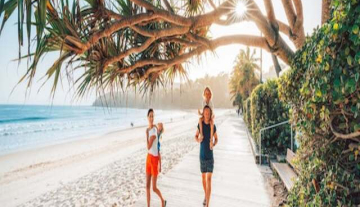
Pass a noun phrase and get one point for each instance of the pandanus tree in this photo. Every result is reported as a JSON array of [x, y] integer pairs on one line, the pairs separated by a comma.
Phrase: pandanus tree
[[118, 43]]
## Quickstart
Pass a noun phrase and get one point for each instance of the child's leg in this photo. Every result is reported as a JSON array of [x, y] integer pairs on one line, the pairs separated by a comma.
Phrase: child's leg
[[200, 126]]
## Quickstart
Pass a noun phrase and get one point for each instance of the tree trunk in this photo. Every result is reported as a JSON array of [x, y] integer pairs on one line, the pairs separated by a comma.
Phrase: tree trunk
[[325, 14], [276, 65]]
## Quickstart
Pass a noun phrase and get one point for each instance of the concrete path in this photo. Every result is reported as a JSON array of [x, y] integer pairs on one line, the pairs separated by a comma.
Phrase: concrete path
[[236, 182]]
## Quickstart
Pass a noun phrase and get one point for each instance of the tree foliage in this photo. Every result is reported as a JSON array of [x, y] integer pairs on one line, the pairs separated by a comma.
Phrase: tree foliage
[[243, 78], [114, 44], [323, 91], [247, 113], [266, 109]]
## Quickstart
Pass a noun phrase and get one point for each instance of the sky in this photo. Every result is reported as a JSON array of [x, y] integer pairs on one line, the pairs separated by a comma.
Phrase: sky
[[222, 61]]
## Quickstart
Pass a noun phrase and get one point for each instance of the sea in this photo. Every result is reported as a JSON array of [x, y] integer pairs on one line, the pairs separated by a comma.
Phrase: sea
[[24, 127]]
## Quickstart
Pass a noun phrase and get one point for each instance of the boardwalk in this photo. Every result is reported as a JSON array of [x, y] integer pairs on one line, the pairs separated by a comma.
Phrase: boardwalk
[[237, 180]]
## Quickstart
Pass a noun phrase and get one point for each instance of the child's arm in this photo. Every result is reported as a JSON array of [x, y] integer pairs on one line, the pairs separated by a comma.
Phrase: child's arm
[[147, 137]]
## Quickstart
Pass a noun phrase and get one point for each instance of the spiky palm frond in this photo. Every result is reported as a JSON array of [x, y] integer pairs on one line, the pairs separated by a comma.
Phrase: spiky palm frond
[[87, 36], [193, 7]]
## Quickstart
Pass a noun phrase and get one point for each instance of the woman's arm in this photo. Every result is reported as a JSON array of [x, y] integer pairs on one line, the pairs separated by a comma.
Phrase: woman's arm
[[216, 139], [197, 138]]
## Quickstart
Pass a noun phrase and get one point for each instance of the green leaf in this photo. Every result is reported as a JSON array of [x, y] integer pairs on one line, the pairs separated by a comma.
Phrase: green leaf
[[28, 22], [347, 50], [20, 24], [2, 2], [351, 157], [41, 14], [355, 29], [357, 127], [351, 85], [9, 8], [318, 93], [349, 60]]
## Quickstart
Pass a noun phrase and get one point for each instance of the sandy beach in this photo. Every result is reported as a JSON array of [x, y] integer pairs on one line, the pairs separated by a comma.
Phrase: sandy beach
[[106, 170]]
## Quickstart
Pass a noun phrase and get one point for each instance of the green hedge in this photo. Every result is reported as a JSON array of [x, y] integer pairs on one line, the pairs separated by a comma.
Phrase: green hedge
[[247, 114], [267, 110], [324, 93]]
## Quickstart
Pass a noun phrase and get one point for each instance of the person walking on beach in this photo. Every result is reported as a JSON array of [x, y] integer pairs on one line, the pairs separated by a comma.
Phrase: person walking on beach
[[152, 161], [206, 152], [207, 100]]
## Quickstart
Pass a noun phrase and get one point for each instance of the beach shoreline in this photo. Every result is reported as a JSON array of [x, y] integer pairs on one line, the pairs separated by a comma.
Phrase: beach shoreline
[[102, 170], [30, 127]]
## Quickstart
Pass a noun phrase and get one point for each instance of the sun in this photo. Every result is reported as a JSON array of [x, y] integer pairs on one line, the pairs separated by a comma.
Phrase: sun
[[240, 8]]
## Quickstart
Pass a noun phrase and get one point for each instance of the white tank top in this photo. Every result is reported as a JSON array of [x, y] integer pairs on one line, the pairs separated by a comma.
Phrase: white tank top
[[154, 147]]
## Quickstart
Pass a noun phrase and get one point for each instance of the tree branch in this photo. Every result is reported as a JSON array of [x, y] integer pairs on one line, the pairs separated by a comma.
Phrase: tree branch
[[168, 6], [248, 40], [299, 24], [180, 41], [276, 44], [289, 11], [125, 22], [299, 11], [344, 136], [172, 62], [198, 21], [154, 35], [205, 42], [276, 65], [325, 13], [176, 30], [284, 28], [262, 23], [212, 4], [142, 63], [296, 21], [271, 15], [119, 57]]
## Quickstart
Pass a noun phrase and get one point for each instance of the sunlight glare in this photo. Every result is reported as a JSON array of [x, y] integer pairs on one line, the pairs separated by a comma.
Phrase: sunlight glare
[[240, 8]]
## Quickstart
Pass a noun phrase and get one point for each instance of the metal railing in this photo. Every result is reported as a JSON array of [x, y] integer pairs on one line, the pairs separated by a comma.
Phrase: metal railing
[[272, 126]]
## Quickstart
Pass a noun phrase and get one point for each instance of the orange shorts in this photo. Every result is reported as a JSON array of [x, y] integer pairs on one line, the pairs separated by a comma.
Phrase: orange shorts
[[152, 163]]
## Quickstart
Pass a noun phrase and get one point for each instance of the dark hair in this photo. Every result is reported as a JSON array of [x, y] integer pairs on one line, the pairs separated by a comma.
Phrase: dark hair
[[207, 107], [149, 111]]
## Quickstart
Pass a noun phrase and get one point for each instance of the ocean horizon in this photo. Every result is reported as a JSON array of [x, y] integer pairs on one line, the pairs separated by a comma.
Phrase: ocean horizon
[[25, 127]]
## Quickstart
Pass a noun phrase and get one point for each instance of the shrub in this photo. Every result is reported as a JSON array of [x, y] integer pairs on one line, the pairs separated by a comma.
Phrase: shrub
[[247, 114], [267, 110], [324, 93]]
